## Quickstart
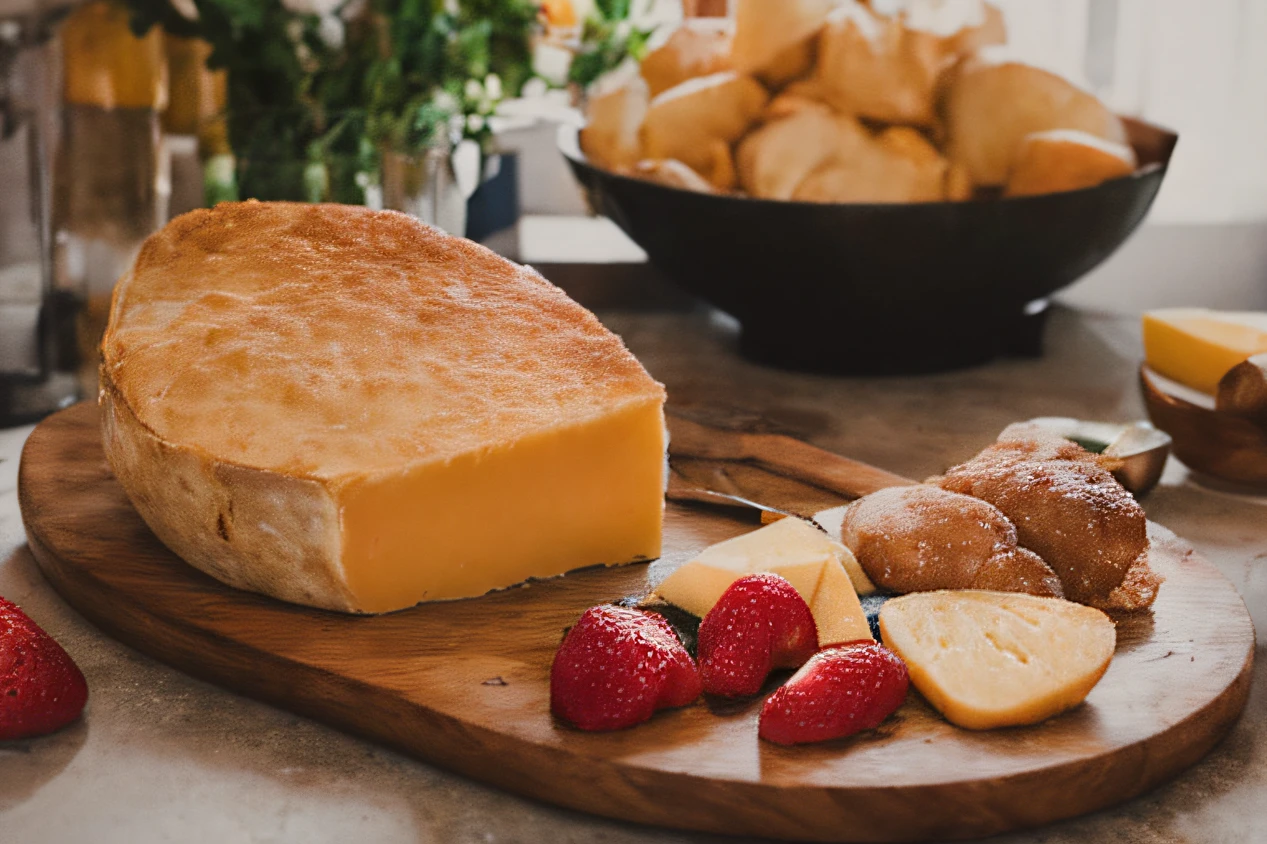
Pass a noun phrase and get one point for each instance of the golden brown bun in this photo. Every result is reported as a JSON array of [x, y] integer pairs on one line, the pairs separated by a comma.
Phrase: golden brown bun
[[610, 138], [922, 538], [990, 108], [1066, 507], [793, 62], [1066, 159], [673, 173], [774, 160], [699, 47], [697, 121], [887, 68], [898, 165], [771, 36], [1137, 591], [958, 183]]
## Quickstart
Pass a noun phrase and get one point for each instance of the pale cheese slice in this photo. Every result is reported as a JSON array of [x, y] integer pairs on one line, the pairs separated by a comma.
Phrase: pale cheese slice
[[805, 556], [998, 659], [837, 611], [352, 410], [1197, 347]]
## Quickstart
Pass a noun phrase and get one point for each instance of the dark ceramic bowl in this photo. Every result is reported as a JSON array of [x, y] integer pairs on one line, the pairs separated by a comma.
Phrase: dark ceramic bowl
[[876, 289]]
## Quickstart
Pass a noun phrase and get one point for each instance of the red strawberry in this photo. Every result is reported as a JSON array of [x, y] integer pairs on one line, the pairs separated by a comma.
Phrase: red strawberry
[[41, 688], [841, 691], [759, 624], [617, 666]]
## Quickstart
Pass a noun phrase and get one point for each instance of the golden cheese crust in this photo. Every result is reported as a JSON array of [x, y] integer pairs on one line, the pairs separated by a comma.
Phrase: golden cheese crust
[[319, 341]]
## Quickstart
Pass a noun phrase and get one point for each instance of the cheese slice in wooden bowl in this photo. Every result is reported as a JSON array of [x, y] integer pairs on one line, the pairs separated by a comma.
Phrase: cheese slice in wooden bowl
[[351, 410]]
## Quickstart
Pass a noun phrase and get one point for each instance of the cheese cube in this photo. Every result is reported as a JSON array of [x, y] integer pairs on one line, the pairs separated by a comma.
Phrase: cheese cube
[[809, 559], [1197, 347]]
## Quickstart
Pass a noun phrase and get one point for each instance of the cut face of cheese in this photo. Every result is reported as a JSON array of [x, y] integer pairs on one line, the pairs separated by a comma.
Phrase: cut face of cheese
[[1197, 347], [998, 659], [793, 549], [351, 410], [836, 609]]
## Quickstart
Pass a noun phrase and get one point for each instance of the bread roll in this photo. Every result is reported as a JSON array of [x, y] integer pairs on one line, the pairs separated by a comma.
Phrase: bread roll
[[772, 36], [697, 121], [672, 173], [921, 538], [898, 165], [1066, 159], [991, 108], [774, 160], [610, 138], [699, 47], [1066, 507], [887, 68]]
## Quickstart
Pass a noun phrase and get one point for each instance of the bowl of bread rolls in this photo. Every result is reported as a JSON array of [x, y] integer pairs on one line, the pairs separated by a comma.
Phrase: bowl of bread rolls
[[865, 191]]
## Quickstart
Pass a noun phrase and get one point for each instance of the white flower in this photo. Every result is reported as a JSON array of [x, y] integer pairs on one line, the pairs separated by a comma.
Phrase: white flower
[[353, 9], [493, 87], [294, 30], [551, 62], [321, 8], [446, 101], [186, 8], [473, 90], [474, 123], [330, 31], [534, 87]]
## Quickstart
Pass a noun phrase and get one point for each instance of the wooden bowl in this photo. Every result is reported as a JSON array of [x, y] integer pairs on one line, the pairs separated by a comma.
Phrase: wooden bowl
[[1219, 444]]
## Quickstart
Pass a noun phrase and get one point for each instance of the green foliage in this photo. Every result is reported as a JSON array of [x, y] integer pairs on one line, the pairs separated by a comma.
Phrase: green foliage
[[305, 116], [607, 39]]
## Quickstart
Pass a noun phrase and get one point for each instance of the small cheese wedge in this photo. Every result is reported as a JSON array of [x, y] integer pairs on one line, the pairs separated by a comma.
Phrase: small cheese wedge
[[1197, 347], [352, 410], [822, 570], [998, 659], [836, 608]]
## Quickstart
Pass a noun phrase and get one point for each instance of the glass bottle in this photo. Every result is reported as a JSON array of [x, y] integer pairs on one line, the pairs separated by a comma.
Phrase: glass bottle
[[33, 325], [110, 176]]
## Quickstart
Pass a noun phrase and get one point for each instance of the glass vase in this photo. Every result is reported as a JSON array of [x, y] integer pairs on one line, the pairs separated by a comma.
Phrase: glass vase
[[424, 185]]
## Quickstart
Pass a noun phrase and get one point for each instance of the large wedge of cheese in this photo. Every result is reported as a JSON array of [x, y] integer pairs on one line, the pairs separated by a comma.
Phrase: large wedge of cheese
[[351, 410], [998, 659], [1197, 347], [822, 570]]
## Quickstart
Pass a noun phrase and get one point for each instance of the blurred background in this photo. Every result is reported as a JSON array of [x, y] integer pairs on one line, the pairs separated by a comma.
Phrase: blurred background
[[117, 115]]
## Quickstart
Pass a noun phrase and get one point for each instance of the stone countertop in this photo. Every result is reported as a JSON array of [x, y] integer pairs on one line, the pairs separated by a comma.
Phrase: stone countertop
[[162, 757]]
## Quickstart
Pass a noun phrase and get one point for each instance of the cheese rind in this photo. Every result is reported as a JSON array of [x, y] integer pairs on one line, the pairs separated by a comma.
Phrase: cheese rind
[[351, 410], [794, 549], [1197, 347], [998, 659]]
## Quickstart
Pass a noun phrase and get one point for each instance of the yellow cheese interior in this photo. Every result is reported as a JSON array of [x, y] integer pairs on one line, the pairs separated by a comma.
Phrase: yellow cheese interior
[[998, 659], [1197, 347], [837, 610], [548, 504], [791, 548]]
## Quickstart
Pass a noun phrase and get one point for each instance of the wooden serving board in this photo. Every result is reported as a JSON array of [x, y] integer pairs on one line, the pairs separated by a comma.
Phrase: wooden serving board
[[465, 685]]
